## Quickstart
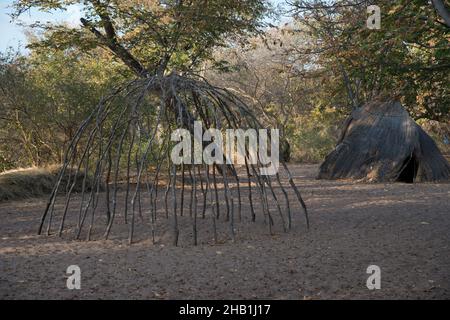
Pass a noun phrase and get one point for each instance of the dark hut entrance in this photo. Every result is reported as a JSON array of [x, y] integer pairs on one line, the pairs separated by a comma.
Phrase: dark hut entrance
[[409, 171]]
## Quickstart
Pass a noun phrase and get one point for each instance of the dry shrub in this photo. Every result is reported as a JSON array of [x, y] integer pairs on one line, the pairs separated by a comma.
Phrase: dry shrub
[[35, 182]]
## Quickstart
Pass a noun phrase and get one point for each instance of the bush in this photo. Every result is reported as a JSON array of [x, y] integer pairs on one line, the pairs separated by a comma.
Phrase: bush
[[35, 182], [315, 134]]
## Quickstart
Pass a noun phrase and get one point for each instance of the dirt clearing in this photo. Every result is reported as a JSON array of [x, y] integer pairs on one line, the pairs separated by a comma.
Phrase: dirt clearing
[[402, 228]]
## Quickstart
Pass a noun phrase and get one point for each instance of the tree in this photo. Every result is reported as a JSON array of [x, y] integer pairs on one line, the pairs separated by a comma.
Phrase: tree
[[153, 36], [408, 57]]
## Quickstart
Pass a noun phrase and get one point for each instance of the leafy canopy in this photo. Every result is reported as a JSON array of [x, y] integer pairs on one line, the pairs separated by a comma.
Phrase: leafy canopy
[[150, 35], [408, 57]]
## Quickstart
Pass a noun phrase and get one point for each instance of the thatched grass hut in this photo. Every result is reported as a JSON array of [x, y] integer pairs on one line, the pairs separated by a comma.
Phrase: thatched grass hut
[[380, 142]]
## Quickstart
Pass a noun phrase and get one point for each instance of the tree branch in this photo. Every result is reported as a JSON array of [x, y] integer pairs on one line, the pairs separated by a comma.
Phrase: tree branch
[[117, 49]]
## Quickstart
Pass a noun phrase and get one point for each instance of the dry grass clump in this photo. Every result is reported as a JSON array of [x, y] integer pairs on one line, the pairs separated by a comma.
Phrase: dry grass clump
[[34, 182]]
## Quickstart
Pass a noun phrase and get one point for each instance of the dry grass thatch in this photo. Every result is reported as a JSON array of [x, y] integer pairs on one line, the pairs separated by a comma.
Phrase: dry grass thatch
[[31, 182], [380, 142]]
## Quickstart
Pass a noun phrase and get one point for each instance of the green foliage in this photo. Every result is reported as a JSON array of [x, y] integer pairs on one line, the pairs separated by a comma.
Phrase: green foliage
[[408, 58], [299, 78], [314, 135], [44, 97], [171, 34], [286, 93]]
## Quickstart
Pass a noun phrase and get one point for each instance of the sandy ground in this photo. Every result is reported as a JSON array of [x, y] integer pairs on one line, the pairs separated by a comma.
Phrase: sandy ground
[[402, 228]]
